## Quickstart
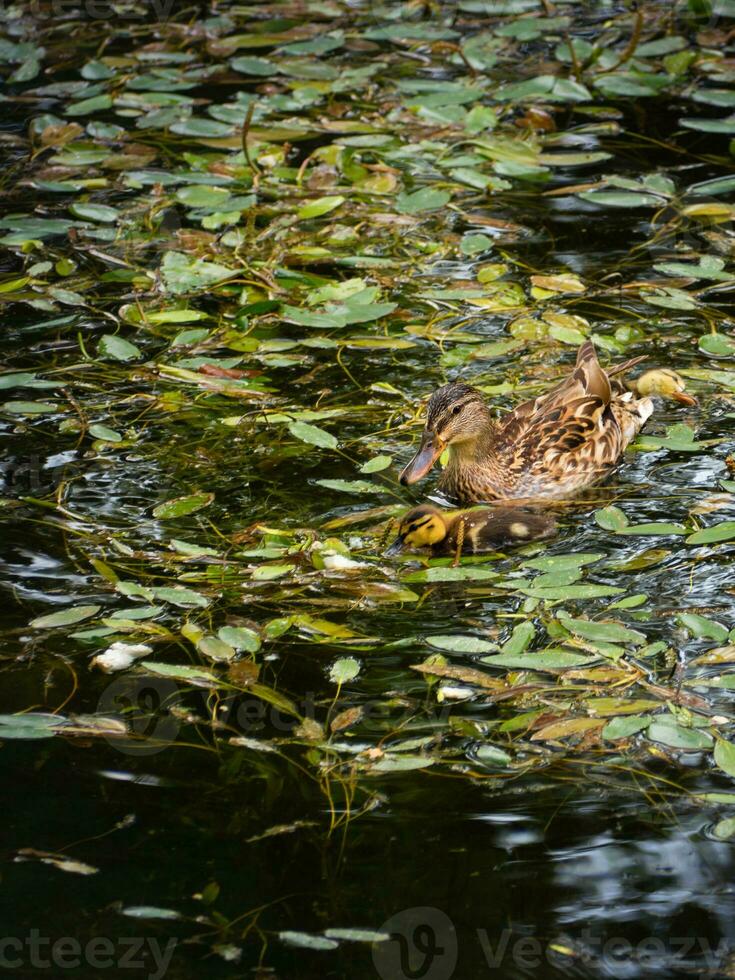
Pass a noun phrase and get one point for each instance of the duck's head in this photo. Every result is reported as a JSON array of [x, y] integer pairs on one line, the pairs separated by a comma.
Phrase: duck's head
[[456, 413], [421, 527], [665, 384]]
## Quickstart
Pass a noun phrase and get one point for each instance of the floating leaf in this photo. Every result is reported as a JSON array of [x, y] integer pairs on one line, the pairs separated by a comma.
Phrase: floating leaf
[[32, 725], [566, 728], [466, 573], [181, 273], [717, 345], [313, 435], [679, 438], [460, 644], [607, 632], [717, 185], [701, 627], [725, 531], [349, 486], [266, 573], [622, 199], [323, 205], [30, 408], [240, 637], [551, 660], [149, 912], [182, 506], [117, 348], [725, 756], [611, 519], [624, 727], [343, 670], [66, 617], [520, 639], [724, 829], [426, 199], [656, 528], [307, 941], [177, 595], [357, 935], [215, 648], [402, 763], [95, 212], [571, 592], [105, 433], [180, 672], [491, 755], [678, 737], [377, 464]]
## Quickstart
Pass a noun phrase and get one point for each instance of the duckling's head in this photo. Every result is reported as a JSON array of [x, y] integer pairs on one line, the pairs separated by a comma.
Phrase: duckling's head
[[421, 527], [456, 413], [665, 384]]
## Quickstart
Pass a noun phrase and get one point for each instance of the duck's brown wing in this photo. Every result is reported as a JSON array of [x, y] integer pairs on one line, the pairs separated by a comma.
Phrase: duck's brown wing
[[570, 429], [585, 390]]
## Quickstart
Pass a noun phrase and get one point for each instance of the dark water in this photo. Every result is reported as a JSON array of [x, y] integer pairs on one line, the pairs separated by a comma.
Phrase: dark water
[[201, 851]]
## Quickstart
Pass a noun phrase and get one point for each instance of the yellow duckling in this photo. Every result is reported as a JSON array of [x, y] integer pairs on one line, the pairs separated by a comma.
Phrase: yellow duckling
[[665, 384], [458, 532]]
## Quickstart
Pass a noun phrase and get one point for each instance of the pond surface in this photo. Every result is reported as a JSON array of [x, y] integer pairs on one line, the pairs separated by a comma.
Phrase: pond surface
[[241, 244]]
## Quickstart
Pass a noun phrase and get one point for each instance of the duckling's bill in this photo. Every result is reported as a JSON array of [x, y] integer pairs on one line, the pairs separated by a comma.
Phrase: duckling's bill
[[396, 547], [684, 398]]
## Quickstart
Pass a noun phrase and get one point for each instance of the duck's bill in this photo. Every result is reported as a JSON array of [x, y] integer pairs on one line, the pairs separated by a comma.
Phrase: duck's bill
[[429, 451], [685, 399], [396, 548]]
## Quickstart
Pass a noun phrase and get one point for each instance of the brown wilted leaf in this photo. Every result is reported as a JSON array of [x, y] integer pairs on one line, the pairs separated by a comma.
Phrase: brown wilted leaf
[[563, 729], [60, 861], [345, 719], [310, 730], [58, 135], [466, 675], [243, 673], [214, 371]]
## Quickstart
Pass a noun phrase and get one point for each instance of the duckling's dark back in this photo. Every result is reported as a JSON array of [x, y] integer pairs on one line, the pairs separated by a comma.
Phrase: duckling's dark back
[[485, 529]]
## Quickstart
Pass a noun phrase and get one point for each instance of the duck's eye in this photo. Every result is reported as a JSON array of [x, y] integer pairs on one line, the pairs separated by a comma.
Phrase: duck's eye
[[456, 410]]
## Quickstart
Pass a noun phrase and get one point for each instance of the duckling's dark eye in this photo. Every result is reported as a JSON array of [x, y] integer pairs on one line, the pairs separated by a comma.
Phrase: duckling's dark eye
[[456, 410]]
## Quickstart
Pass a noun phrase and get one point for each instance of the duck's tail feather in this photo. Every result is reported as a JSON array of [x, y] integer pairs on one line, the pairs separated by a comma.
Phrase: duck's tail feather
[[626, 365]]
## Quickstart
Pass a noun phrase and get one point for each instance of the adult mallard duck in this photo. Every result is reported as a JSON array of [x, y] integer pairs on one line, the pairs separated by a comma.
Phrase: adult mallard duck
[[456, 532], [550, 447]]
